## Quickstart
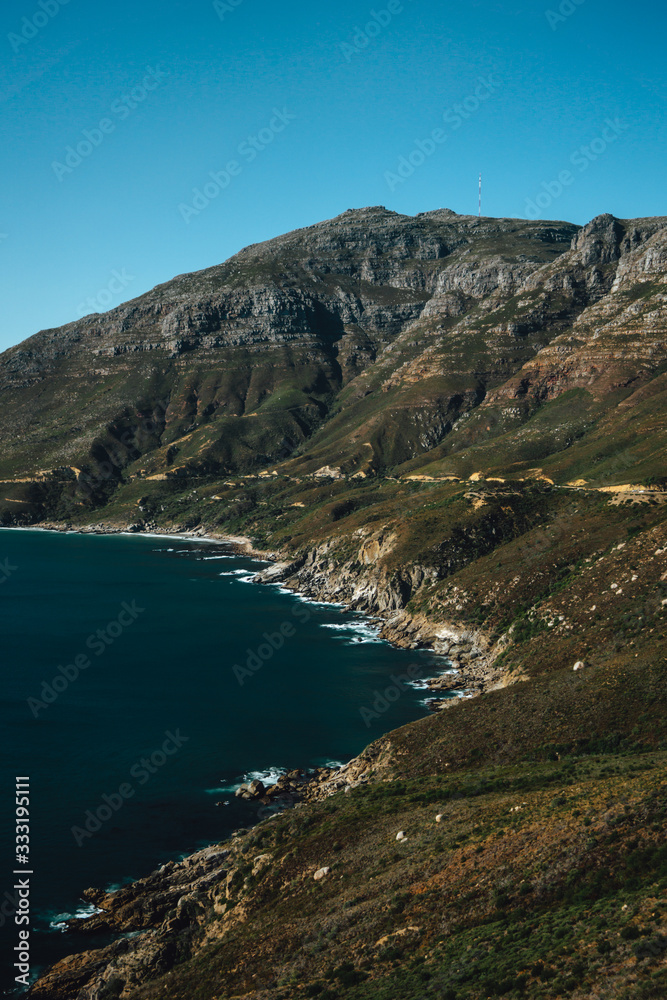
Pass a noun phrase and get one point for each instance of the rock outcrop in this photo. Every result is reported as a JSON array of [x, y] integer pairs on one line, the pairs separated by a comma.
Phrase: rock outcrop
[[157, 917]]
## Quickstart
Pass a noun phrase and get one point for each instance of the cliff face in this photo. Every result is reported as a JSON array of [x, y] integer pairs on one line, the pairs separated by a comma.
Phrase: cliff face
[[620, 338], [245, 360]]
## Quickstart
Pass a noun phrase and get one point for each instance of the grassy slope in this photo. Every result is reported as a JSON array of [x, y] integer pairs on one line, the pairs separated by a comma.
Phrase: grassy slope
[[544, 878], [561, 898]]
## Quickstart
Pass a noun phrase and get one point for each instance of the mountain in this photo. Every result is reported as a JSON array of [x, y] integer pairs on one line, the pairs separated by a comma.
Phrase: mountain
[[459, 425], [369, 343]]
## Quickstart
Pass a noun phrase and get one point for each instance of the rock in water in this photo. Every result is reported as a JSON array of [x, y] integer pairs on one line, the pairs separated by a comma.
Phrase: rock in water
[[255, 790]]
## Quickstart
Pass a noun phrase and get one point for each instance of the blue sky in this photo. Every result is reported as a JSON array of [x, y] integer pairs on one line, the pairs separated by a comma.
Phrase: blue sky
[[144, 140]]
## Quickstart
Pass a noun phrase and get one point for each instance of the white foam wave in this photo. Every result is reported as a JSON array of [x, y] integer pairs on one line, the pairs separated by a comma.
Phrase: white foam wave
[[444, 696], [308, 600], [267, 777], [59, 922], [355, 632]]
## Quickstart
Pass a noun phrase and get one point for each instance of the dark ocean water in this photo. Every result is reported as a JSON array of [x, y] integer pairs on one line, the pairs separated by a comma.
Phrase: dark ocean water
[[163, 666]]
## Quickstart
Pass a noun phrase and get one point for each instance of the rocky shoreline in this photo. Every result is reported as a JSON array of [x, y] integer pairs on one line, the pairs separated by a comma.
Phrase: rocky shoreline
[[157, 920], [469, 652], [315, 577], [157, 917]]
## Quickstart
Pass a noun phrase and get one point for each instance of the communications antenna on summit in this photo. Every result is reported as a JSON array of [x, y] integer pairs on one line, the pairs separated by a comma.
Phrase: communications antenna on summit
[[480, 196]]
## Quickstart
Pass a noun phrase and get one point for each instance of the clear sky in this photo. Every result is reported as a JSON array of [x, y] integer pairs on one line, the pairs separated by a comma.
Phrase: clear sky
[[145, 139]]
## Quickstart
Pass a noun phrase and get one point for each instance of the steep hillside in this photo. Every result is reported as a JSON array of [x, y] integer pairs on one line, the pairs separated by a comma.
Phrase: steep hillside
[[459, 425], [458, 859], [234, 367], [502, 432], [437, 345]]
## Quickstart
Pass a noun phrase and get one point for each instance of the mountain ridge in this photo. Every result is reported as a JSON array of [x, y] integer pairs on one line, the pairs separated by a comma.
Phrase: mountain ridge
[[324, 304], [459, 426]]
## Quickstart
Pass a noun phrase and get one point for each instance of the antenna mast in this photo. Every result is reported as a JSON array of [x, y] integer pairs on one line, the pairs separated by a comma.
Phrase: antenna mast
[[480, 196]]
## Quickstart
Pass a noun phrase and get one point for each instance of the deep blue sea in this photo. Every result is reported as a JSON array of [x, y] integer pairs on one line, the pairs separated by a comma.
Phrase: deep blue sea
[[155, 627]]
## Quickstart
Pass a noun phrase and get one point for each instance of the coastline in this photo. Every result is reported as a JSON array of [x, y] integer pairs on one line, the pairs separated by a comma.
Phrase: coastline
[[115, 912], [467, 652], [102, 529], [290, 791]]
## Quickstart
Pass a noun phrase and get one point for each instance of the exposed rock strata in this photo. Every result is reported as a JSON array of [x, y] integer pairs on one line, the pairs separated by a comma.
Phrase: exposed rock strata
[[296, 319]]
